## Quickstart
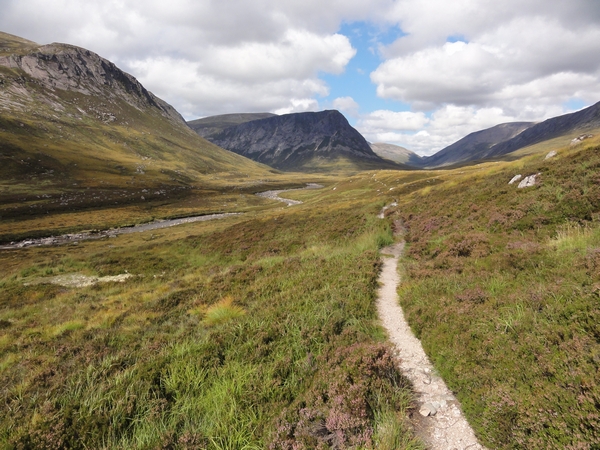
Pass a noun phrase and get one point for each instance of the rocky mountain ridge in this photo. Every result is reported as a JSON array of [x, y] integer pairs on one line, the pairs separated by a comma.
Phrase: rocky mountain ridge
[[78, 132], [299, 141], [475, 145], [70, 68], [213, 125], [577, 122]]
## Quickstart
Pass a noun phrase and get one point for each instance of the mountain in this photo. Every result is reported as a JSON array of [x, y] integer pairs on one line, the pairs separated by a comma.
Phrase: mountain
[[578, 122], [70, 119], [310, 141], [510, 137], [215, 124], [397, 154], [475, 146]]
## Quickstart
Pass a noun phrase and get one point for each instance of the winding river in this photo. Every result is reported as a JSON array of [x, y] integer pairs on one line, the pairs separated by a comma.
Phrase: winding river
[[114, 232]]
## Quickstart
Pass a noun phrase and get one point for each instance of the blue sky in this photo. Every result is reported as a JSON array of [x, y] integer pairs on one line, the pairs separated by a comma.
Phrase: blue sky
[[366, 39], [417, 73]]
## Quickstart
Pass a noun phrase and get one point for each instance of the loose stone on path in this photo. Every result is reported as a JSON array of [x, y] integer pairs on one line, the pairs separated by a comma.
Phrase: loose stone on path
[[439, 421]]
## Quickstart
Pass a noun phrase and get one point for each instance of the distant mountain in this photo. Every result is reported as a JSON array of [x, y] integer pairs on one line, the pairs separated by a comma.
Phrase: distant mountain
[[397, 154], [577, 122], [311, 141], [475, 146], [208, 126], [72, 120]]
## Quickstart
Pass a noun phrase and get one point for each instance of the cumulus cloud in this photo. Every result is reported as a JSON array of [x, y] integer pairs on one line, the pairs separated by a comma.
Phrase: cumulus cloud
[[205, 57], [472, 64], [346, 105], [382, 121]]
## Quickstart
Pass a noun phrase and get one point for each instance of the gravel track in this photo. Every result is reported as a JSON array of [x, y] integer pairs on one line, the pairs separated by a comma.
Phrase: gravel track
[[439, 421]]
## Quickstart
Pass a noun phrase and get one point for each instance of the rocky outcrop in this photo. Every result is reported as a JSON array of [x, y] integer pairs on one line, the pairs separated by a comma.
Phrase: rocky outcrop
[[529, 181], [579, 139], [71, 68], [295, 141]]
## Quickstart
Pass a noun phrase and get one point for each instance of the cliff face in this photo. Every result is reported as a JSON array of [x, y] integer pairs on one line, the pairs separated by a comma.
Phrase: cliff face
[[292, 141], [70, 68]]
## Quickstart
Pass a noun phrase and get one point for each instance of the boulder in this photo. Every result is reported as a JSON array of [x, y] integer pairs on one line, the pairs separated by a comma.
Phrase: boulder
[[515, 179], [529, 181]]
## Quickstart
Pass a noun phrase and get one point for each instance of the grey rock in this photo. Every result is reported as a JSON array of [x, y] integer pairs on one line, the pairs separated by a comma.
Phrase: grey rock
[[580, 139], [292, 141], [529, 181], [551, 154], [515, 179], [71, 68], [428, 409]]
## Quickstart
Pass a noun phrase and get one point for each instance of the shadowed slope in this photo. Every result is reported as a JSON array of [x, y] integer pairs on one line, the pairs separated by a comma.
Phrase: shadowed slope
[[311, 141]]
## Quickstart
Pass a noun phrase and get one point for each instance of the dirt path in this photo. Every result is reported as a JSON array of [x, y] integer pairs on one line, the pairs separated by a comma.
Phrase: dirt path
[[439, 422]]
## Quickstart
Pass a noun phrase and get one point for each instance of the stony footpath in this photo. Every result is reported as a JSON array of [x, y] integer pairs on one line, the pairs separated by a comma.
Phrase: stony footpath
[[439, 421]]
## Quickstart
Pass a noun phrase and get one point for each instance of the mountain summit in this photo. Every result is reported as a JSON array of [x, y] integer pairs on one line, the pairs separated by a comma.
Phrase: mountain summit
[[309, 141]]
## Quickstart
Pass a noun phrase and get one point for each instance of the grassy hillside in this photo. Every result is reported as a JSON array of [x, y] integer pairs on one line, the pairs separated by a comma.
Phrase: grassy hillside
[[502, 286]]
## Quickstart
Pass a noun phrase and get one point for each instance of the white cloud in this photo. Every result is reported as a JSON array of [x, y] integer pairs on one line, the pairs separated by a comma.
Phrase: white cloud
[[347, 105], [382, 121], [204, 57]]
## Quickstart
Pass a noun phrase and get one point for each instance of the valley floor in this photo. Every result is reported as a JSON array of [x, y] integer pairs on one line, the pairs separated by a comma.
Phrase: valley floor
[[261, 330]]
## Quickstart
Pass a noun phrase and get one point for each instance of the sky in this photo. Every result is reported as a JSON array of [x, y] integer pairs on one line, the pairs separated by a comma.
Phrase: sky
[[416, 73]]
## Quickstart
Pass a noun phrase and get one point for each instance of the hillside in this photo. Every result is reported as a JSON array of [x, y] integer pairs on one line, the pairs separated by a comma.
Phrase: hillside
[[73, 125], [475, 146], [312, 141], [501, 284], [575, 123], [397, 154], [215, 124], [511, 137]]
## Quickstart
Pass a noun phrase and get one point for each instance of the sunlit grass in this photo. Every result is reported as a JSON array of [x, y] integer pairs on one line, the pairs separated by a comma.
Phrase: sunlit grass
[[223, 311], [220, 329]]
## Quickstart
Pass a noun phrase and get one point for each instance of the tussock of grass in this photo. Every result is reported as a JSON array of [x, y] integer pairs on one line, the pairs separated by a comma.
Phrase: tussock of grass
[[222, 312]]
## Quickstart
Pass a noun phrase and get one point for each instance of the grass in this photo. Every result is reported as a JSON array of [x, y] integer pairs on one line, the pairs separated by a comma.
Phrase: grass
[[230, 335], [501, 285], [259, 331]]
